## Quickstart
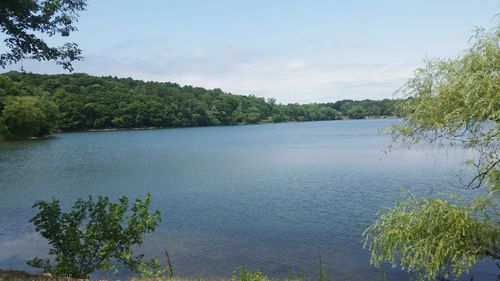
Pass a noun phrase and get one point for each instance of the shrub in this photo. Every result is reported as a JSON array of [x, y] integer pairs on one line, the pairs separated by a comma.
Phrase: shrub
[[93, 235]]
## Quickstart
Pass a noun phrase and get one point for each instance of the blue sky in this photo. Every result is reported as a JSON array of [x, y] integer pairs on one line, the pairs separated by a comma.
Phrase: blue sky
[[295, 51]]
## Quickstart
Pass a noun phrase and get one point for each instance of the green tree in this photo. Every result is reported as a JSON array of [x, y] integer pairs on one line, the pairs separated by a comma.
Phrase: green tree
[[454, 101], [355, 112], [88, 102], [23, 23], [25, 117], [94, 234]]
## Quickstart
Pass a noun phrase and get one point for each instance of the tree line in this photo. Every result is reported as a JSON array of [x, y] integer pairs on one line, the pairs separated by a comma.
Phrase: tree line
[[38, 104]]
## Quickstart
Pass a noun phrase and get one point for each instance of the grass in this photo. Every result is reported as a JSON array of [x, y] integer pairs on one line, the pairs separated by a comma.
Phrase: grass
[[242, 273], [18, 275]]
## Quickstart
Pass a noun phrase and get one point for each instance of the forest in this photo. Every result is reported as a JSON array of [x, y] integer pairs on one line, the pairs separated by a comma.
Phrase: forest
[[34, 105]]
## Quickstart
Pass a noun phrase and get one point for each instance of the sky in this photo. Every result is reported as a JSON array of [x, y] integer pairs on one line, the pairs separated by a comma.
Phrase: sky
[[293, 50]]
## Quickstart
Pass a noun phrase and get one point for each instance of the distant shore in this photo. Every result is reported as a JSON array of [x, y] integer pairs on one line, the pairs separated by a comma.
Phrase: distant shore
[[240, 124]]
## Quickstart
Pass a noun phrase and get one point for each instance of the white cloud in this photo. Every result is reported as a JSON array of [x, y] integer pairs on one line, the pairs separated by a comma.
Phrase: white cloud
[[293, 76]]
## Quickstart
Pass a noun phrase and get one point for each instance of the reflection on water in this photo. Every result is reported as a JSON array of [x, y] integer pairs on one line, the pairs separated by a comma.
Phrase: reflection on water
[[268, 196]]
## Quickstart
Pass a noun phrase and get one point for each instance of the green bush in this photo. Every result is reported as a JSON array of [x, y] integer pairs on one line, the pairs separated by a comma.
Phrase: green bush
[[93, 235]]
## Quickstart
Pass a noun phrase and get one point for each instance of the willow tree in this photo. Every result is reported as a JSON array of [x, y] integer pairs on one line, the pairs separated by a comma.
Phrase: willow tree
[[450, 102]]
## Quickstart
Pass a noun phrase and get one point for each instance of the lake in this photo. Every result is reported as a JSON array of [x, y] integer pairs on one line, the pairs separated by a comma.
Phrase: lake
[[272, 197]]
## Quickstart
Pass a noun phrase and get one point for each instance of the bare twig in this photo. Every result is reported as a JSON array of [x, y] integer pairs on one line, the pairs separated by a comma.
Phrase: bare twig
[[169, 265]]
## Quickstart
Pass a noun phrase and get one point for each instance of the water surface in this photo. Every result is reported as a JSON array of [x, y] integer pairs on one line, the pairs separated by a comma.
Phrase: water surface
[[268, 196]]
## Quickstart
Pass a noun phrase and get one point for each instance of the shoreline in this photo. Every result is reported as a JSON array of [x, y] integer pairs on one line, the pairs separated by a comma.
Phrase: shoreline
[[228, 125], [186, 127]]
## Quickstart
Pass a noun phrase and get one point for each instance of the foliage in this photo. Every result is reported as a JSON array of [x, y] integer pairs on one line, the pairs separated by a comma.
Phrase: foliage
[[23, 23], [296, 276], [458, 101], [151, 268], [431, 236], [244, 274], [454, 102], [24, 117], [93, 235], [324, 271], [88, 102]]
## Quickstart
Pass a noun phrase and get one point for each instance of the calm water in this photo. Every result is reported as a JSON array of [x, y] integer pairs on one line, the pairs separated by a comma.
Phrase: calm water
[[268, 196]]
